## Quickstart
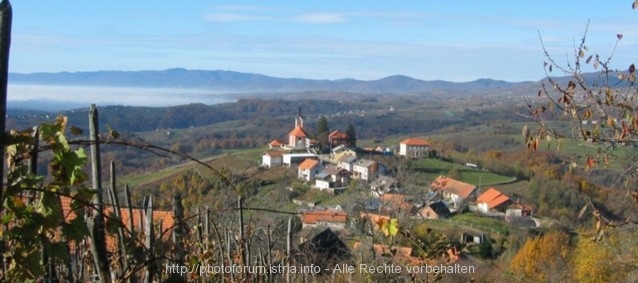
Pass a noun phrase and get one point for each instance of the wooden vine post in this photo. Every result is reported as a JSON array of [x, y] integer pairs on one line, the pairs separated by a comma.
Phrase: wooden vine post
[[149, 241], [96, 220], [131, 224], [6, 15], [178, 233], [289, 247], [115, 202], [242, 236]]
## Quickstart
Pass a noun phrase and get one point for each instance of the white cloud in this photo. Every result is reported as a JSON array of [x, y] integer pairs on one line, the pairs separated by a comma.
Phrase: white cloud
[[228, 17], [321, 18]]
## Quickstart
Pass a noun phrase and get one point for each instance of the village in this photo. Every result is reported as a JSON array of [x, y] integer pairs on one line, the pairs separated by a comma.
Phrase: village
[[332, 172]]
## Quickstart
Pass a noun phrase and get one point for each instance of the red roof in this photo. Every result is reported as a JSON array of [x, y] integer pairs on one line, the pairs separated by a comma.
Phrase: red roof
[[313, 217], [498, 201], [274, 153], [415, 142], [488, 195], [492, 197], [308, 164], [166, 217], [298, 132], [461, 189], [275, 143], [337, 135]]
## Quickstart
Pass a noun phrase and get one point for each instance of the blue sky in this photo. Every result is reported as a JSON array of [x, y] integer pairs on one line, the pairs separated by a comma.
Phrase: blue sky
[[448, 40]]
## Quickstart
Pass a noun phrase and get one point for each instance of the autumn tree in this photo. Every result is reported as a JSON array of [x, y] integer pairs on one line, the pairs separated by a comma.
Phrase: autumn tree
[[593, 262], [543, 258]]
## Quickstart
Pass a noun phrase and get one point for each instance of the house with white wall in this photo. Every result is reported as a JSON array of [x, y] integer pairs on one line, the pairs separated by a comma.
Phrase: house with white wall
[[364, 169], [272, 158], [308, 169], [414, 147], [454, 192]]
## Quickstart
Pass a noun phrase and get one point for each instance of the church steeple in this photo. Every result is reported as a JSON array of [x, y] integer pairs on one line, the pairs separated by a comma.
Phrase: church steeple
[[299, 119], [298, 138]]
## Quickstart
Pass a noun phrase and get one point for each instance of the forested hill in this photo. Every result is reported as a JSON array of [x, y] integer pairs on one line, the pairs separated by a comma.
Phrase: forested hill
[[229, 81], [136, 118]]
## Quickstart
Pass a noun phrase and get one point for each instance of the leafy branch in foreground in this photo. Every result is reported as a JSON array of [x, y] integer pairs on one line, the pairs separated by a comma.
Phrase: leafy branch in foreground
[[598, 108], [41, 236], [593, 107]]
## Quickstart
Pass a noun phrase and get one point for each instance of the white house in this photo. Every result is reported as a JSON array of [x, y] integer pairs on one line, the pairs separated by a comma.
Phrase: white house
[[332, 177], [414, 147], [273, 158], [364, 169], [453, 191], [492, 200], [347, 162], [296, 158], [308, 169]]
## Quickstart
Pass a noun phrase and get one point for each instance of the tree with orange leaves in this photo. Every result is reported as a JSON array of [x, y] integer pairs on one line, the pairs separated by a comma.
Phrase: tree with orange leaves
[[542, 258]]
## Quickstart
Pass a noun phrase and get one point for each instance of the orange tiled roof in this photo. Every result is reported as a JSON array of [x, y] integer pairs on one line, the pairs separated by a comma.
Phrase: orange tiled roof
[[461, 189], [415, 142], [488, 195], [337, 135], [498, 201], [312, 217], [166, 217], [298, 132], [274, 153], [275, 143], [308, 164], [492, 197]]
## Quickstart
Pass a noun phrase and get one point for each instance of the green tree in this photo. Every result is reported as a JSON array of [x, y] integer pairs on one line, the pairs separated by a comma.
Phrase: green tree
[[485, 248], [322, 132], [352, 136], [322, 126]]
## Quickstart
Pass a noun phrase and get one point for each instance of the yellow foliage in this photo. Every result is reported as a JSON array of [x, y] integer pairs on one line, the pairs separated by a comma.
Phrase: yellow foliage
[[541, 257], [593, 262]]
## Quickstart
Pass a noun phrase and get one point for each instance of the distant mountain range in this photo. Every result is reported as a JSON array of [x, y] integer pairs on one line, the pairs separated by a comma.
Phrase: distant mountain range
[[236, 82]]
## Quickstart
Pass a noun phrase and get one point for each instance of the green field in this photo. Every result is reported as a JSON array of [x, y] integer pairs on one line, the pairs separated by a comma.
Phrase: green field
[[434, 167]]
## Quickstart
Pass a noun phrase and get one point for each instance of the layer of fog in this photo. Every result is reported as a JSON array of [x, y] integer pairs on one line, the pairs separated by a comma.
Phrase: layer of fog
[[47, 97]]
